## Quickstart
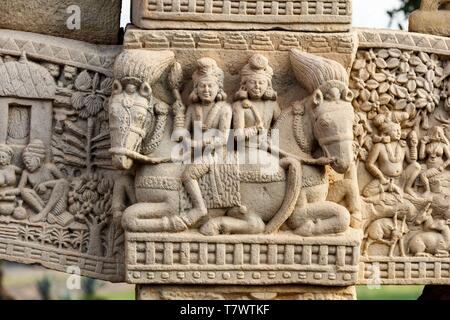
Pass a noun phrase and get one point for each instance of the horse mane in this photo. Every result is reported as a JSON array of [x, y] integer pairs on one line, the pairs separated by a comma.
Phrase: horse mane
[[314, 72]]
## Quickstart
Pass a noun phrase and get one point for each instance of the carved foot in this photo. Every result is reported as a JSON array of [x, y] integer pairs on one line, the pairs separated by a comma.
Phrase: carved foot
[[306, 230], [39, 217], [177, 224], [442, 254], [423, 255], [210, 229]]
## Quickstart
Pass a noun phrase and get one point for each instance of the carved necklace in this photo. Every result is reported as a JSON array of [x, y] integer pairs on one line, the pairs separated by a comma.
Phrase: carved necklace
[[247, 104], [394, 156], [209, 119]]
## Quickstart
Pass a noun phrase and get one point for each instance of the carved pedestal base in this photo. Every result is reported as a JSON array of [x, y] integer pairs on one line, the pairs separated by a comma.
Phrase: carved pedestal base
[[285, 292]]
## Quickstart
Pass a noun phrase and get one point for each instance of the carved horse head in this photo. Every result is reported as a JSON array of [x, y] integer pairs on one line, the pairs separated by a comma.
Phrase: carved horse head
[[131, 111], [329, 105]]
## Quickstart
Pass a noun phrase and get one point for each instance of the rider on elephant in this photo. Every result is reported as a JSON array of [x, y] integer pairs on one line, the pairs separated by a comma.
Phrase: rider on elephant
[[256, 108], [208, 120]]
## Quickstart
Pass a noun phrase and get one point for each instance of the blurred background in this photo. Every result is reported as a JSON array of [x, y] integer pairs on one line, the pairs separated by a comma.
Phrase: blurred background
[[36, 283]]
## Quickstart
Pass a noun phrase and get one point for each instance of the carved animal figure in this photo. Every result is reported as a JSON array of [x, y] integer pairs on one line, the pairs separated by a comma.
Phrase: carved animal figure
[[264, 202], [435, 243], [386, 231]]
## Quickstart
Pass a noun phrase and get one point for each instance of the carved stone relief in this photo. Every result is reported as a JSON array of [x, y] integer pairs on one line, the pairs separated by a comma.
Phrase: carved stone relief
[[212, 227], [77, 19], [56, 182], [299, 15], [403, 154], [432, 18]]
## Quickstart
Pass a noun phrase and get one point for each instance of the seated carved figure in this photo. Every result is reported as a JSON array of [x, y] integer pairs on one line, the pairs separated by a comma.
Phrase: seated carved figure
[[208, 117], [256, 107], [434, 148], [8, 180], [42, 185], [385, 163]]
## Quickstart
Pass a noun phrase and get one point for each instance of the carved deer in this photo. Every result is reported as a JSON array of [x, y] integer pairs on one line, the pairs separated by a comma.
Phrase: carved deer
[[435, 243], [386, 231]]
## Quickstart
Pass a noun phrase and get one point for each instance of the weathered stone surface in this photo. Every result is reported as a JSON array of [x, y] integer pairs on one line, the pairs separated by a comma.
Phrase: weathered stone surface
[[401, 86], [432, 18], [321, 16], [99, 19], [55, 193], [199, 292]]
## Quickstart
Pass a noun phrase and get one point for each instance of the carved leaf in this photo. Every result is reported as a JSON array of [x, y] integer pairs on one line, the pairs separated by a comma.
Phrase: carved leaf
[[366, 106], [411, 85], [374, 97], [422, 93], [371, 68], [365, 95], [402, 78], [364, 75], [372, 84], [380, 77], [393, 63], [84, 81], [383, 53], [380, 63], [95, 81], [385, 99], [401, 92], [78, 99], [106, 86], [421, 68], [401, 104], [384, 87], [421, 103], [395, 53], [415, 61], [94, 103]]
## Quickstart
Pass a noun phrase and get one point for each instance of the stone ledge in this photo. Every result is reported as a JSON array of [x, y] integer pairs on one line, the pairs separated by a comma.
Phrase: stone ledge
[[190, 258]]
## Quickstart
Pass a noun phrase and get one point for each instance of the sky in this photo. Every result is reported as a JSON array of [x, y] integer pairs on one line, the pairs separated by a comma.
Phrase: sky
[[366, 13]]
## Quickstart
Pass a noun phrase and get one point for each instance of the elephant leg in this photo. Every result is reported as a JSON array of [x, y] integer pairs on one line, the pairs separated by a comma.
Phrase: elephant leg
[[238, 221], [319, 218], [346, 190], [151, 217]]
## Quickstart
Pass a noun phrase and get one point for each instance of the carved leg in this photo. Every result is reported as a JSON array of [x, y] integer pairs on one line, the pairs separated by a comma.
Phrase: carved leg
[[199, 209], [411, 173], [320, 218], [366, 247], [60, 190], [31, 198], [425, 181], [392, 248], [190, 179], [346, 190], [151, 217], [238, 221]]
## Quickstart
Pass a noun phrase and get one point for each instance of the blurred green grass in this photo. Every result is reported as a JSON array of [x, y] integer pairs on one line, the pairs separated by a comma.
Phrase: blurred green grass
[[363, 293], [389, 293]]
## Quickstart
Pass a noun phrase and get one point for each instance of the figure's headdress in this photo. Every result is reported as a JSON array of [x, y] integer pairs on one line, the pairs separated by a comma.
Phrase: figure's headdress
[[6, 149], [257, 65], [35, 148], [207, 68]]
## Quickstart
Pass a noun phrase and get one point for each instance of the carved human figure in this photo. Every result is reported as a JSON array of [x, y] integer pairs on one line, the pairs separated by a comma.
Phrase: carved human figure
[[208, 121], [256, 108], [385, 162], [40, 179], [8, 180], [435, 149]]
